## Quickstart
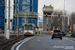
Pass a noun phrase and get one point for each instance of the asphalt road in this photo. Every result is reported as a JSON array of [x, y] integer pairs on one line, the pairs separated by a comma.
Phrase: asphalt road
[[44, 42]]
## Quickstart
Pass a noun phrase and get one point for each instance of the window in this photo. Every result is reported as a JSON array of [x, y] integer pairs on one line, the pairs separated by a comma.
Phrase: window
[[28, 27]]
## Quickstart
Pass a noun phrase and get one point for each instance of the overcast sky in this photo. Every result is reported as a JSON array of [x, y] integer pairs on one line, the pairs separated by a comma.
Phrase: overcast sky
[[57, 4]]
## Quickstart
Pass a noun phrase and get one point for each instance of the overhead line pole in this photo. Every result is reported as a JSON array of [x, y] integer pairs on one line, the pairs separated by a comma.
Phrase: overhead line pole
[[17, 17], [64, 17], [7, 19], [9, 16]]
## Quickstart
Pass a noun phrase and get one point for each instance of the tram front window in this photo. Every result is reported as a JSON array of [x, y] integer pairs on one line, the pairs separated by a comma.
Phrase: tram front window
[[28, 27]]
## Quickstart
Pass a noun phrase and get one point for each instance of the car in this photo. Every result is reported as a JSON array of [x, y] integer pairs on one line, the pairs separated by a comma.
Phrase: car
[[57, 34], [73, 35], [63, 33]]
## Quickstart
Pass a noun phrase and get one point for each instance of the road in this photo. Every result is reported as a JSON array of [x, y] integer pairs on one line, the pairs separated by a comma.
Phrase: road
[[44, 42]]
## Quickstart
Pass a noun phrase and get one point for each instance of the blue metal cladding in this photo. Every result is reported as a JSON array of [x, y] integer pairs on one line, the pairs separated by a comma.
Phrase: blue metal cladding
[[31, 6], [15, 22], [35, 6], [2, 14], [21, 5], [32, 20]]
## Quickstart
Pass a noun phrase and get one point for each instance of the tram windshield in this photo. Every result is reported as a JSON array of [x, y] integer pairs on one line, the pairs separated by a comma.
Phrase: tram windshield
[[28, 27]]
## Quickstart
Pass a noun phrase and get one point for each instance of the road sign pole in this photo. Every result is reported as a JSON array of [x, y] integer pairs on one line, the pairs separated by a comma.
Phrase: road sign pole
[[49, 25], [69, 27], [68, 20], [64, 17]]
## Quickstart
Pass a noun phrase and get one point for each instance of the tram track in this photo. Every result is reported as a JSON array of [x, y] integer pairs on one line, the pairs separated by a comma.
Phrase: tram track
[[7, 44]]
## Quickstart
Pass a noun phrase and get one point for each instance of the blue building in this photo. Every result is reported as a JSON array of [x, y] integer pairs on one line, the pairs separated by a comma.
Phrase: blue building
[[25, 6], [2, 14]]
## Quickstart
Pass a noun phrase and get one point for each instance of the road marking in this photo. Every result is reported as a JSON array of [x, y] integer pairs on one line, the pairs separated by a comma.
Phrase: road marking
[[51, 43], [58, 41], [17, 48], [38, 40], [40, 37], [49, 39], [70, 40], [13, 47]]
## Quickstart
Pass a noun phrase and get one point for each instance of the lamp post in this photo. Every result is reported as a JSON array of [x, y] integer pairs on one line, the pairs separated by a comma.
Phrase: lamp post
[[64, 16], [17, 16]]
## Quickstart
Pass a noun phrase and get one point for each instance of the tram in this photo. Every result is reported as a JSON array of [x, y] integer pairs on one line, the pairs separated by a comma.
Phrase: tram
[[28, 29]]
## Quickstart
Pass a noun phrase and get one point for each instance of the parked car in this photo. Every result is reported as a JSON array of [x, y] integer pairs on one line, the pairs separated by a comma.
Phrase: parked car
[[63, 33], [57, 34], [73, 35]]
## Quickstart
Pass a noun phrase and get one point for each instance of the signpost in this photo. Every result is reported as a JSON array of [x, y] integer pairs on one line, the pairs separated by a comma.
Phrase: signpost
[[53, 28], [70, 28]]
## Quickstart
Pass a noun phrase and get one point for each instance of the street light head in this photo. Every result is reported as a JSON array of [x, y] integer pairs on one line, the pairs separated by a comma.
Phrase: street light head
[[46, 15]]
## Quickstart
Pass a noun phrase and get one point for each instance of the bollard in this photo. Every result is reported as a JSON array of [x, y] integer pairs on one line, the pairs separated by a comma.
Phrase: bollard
[[23, 34], [40, 32], [68, 34], [50, 32], [37, 31]]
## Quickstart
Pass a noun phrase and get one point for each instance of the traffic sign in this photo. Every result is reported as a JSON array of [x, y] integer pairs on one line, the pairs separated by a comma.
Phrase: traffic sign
[[53, 28], [70, 28]]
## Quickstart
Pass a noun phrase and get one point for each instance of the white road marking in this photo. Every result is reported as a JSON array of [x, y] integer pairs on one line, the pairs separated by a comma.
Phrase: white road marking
[[49, 39], [51, 43], [70, 40], [38, 40], [13, 47], [58, 41], [40, 37], [17, 48]]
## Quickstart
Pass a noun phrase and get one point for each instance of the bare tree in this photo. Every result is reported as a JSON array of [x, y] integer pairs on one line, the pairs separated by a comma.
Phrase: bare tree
[[57, 22], [72, 19]]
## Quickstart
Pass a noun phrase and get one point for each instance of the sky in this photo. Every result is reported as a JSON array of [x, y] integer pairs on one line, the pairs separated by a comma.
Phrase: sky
[[57, 4]]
